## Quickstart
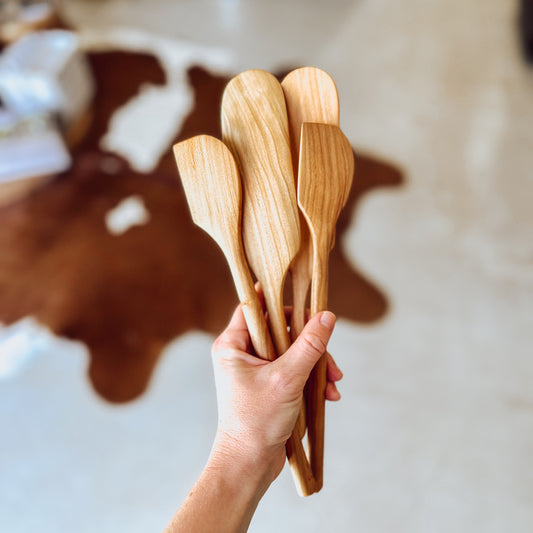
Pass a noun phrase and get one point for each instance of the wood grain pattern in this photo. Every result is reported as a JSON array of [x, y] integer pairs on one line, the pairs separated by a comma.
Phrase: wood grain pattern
[[311, 96], [255, 128], [325, 175], [213, 188]]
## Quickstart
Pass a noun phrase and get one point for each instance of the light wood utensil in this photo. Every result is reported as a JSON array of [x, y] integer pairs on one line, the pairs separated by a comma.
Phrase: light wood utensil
[[213, 189], [325, 174], [311, 96], [255, 128]]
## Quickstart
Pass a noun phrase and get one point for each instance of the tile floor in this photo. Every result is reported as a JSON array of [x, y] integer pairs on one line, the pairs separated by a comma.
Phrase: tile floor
[[435, 430]]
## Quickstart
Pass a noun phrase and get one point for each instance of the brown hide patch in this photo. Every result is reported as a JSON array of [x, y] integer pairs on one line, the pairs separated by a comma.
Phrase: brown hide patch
[[127, 296]]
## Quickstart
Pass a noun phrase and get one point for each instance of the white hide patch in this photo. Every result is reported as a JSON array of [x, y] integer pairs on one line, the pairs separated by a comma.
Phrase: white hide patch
[[128, 213], [142, 129]]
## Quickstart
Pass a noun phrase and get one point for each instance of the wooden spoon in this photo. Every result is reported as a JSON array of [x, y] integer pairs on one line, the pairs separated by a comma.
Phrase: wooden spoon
[[213, 189], [311, 96], [255, 128], [325, 176]]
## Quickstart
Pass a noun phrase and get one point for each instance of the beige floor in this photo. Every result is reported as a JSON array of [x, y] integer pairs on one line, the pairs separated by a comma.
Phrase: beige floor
[[435, 430]]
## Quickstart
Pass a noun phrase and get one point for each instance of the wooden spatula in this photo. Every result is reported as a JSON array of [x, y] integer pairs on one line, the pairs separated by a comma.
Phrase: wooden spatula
[[325, 176], [255, 128], [311, 96], [213, 189]]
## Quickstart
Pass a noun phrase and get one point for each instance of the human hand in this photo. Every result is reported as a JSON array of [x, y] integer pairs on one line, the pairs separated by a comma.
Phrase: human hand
[[258, 404], [258, 400]]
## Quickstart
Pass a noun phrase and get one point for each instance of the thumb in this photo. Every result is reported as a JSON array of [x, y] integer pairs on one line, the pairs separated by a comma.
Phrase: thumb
[[310, 345]]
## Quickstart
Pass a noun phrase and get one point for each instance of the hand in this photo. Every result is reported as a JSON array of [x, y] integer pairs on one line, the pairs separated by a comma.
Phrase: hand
[[258, 404], [259, 401]]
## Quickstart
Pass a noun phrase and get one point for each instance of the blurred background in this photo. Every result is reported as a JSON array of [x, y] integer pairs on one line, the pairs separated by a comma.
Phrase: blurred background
[[110, 298]]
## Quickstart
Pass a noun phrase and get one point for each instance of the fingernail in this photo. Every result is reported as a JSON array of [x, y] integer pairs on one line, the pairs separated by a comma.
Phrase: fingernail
[[327, 318]]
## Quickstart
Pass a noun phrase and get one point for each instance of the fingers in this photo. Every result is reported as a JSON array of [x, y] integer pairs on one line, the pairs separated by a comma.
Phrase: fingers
[[308, 347], [332, 394], [302, 355], [334, 372], [236, 335]]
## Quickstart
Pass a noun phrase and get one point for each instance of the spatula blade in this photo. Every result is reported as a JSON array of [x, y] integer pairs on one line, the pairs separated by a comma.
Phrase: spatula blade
[[325, 175], [212, 185]]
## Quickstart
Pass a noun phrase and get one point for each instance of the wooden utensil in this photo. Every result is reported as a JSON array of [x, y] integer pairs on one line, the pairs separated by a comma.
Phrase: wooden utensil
[[326, 167], [213, 189], [311, 96], [255, 128]]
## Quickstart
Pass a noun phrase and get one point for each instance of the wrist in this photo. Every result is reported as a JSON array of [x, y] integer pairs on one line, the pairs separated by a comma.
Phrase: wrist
[[228, 491], [242, 463]]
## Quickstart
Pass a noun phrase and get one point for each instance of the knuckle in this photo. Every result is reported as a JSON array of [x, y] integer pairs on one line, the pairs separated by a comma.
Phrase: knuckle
[[279, 380], [284, 383], [225, 357], [220, 343], [314, 343], [228, 340]]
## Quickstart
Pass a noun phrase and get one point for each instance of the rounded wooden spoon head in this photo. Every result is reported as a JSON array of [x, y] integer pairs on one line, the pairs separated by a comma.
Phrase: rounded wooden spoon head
[[255, 128], [311, 96]]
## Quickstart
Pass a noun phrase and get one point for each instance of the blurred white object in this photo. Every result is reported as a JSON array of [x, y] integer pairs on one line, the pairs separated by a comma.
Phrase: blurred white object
[[31, 150], [35, 151], [45, 72], [128, 213], [19, 344]]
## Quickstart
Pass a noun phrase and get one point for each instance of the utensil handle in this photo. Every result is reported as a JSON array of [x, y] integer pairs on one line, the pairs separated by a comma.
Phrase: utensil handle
[[316, 392], [301, 280], [301, 269], [262, 342], [251, 307], [300, 466]]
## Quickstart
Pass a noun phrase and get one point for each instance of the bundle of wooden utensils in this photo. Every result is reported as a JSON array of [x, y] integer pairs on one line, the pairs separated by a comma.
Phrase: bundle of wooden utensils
[[270, 195]]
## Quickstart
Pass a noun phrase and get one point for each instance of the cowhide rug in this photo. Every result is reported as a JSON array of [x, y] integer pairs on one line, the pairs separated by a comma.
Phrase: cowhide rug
[[126, 296]]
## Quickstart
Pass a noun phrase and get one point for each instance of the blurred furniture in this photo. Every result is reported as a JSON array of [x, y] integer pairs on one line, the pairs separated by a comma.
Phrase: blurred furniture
[[31, 151], [46, 90]]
